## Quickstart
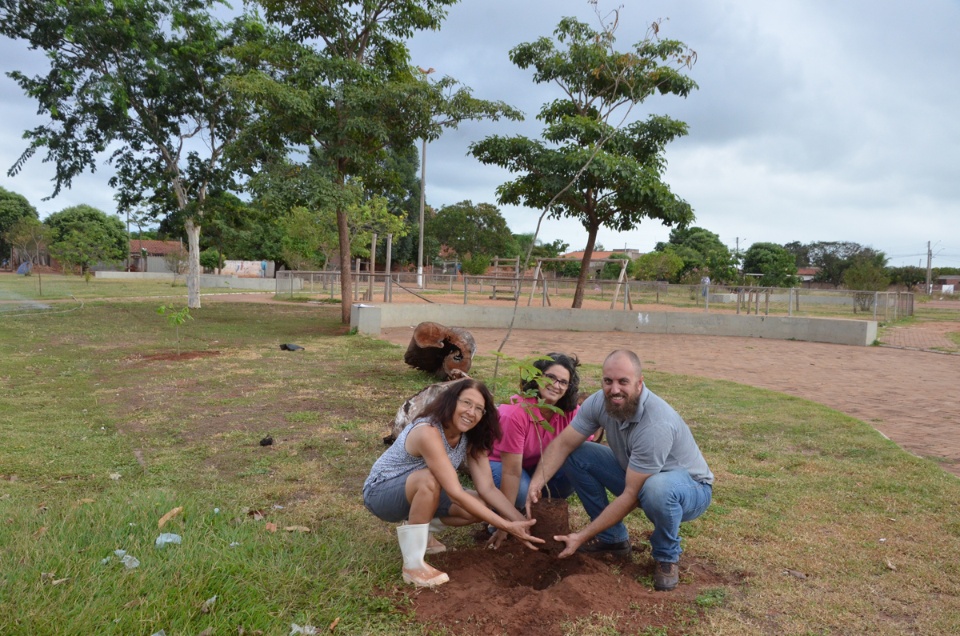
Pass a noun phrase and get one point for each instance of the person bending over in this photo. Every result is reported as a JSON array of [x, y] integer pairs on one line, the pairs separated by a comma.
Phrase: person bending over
[[415, 480], [652, 462]]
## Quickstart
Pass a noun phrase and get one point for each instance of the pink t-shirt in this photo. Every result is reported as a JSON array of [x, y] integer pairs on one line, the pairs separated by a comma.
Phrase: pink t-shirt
[[522, 435]]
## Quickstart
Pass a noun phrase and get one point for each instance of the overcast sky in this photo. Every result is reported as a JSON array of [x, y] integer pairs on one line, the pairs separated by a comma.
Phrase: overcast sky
[[814, 120]]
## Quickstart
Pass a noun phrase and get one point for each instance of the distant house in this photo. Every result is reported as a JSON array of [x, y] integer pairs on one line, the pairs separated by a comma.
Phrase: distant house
[[598, 256], [807, 274], [148, 255], [949, 283]]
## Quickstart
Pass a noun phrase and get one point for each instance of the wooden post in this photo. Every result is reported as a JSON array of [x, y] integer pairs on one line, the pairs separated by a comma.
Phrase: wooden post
[[387, 290], [533, 289]]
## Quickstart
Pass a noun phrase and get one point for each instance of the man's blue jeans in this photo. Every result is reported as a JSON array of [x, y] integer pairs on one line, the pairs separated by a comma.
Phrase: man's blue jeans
[[558, 485], [667, 498]]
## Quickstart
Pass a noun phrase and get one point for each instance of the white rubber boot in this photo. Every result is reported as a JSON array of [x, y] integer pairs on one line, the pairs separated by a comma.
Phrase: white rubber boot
[[433, 544], [413, 545]]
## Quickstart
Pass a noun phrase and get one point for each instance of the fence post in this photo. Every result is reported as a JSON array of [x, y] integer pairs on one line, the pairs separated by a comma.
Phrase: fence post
[[464, 289], [386, 271]]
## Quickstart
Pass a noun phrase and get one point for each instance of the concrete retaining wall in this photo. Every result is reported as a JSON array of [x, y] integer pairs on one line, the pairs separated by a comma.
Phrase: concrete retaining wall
[[370, 319]]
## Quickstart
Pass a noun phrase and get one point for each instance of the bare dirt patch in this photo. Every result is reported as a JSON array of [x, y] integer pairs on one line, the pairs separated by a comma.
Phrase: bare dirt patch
[[514, 590]]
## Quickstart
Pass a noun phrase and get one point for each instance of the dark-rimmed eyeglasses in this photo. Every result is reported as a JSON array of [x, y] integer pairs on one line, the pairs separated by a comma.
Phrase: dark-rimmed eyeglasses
[[555, 380]]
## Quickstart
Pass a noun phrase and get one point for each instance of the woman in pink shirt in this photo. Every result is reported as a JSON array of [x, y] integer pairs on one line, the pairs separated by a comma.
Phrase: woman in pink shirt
[[516, 454]]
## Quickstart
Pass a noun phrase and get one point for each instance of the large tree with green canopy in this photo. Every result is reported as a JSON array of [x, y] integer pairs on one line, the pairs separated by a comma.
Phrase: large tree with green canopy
[[352, 98], [13, 208], [776, 266], [473, 230], [144, 78], [587, 167], [703, 253], [82, 236]]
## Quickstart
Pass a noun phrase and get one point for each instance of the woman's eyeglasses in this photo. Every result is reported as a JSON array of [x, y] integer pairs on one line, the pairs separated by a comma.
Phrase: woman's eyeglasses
[[555, 380], [470, 406]]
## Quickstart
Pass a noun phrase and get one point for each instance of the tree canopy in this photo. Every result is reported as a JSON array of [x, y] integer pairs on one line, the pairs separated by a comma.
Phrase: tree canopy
[[13, 207], [703, 254], [473, 230], [832, 258], [145, 77], [585, 167], [664, 265], [82, 236], [352, 98], [30, 237], [776, 266]]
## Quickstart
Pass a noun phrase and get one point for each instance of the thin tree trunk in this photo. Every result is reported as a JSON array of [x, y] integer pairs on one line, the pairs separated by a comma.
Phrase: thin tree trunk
[[193, 264], [346, 283], [584, 269]]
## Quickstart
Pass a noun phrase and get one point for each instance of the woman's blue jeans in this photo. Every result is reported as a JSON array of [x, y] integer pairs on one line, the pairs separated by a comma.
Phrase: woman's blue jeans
[[558, 485], [667, 498]]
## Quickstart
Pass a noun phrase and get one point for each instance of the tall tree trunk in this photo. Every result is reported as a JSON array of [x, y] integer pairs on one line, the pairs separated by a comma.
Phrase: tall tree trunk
[[193, 264], [584, 268], [346, 283]]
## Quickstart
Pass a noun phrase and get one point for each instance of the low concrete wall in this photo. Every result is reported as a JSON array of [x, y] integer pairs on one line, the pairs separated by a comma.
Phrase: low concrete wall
[[214, 281], [370, 319]]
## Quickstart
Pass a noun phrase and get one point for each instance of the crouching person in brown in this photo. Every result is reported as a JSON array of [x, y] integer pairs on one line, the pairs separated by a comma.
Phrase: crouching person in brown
[[652, 462], [415, 480]]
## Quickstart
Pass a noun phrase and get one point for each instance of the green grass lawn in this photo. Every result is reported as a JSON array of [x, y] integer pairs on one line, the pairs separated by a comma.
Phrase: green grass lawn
[[99, 441], [56, 287]]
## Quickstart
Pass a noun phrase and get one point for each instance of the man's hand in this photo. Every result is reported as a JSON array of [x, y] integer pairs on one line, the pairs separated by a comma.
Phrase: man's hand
[[573, 541]]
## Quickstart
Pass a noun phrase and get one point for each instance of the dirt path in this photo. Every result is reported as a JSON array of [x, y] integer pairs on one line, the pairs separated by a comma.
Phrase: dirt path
[[908, 390]]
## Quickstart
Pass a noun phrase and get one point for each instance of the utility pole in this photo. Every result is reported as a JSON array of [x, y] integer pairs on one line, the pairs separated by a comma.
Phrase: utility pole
[[929, 269], [423, 185]]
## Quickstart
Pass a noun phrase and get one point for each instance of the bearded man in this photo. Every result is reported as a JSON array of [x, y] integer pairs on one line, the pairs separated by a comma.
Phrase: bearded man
[[652, 462]]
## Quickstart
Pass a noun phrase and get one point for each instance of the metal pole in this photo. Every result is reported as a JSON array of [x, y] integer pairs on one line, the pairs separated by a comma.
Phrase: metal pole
[[423, 187], [373, 265]]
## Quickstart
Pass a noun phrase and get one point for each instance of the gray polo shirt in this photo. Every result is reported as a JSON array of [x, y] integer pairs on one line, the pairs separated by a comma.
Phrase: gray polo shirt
[[656, 439]]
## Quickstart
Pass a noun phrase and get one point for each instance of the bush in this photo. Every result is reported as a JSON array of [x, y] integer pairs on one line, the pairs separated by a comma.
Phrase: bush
[[211, 259], [475, 265]]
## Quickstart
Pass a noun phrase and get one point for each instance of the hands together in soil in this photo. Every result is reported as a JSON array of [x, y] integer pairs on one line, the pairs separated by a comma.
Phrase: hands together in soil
[[649, 460]]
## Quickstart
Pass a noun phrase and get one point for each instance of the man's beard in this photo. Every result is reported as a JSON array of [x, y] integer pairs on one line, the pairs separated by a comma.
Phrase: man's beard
[[623, 411]]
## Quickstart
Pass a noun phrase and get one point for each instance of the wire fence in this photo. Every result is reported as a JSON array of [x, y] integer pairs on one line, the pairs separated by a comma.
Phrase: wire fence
[[558, 292]]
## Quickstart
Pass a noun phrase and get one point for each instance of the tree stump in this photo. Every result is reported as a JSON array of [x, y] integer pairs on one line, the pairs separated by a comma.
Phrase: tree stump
[[441, 350]]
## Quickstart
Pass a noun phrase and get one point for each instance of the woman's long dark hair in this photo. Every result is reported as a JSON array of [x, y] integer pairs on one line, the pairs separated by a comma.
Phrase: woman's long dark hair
[[568, 402], [481, 437]]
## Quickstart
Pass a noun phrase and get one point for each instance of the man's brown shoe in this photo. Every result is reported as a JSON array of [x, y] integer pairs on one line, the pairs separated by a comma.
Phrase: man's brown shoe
[[666, 576]]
